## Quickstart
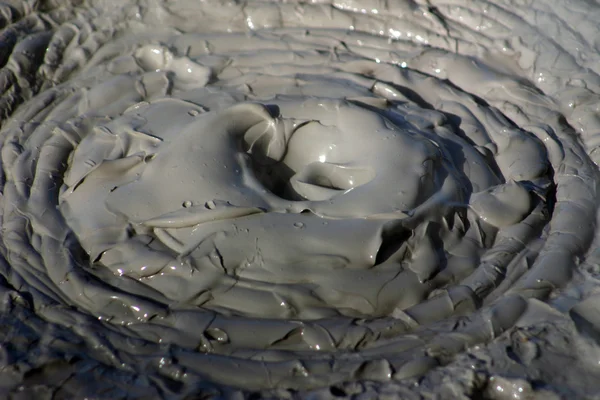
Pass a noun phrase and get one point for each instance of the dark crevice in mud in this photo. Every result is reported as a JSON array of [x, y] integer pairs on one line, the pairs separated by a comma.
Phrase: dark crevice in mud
[[391, 242]]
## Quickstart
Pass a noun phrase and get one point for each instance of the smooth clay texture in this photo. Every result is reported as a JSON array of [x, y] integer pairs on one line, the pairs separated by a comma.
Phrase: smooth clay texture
[[324, 199]]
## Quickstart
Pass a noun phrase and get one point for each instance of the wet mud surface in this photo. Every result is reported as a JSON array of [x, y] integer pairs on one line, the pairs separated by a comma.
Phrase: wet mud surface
[[211, 199]]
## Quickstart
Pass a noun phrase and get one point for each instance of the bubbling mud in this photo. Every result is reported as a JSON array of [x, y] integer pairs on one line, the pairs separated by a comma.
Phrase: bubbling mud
[[218, 197]]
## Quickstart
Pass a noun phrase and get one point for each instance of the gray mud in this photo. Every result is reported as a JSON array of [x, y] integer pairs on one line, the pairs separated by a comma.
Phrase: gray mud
[[207, 199]]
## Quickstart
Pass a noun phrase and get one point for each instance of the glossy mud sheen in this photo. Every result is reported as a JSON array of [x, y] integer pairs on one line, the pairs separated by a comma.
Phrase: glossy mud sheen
[[332, 199]]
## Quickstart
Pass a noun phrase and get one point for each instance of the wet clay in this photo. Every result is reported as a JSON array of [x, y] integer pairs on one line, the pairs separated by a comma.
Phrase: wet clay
[[328, 199]]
